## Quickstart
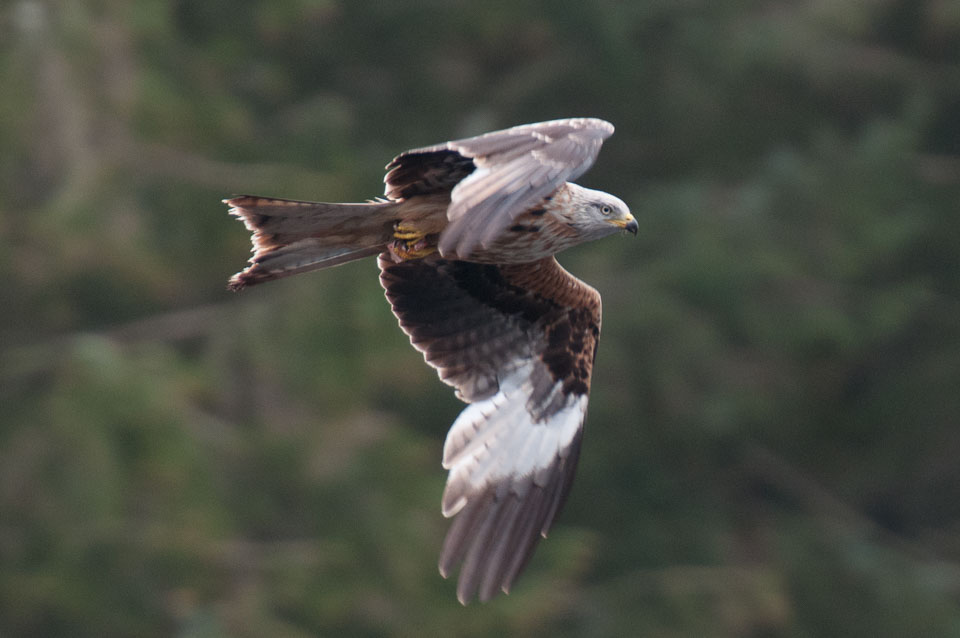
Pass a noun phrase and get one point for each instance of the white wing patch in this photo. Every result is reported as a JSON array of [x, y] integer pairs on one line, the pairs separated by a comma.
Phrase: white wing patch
[[497, 440]]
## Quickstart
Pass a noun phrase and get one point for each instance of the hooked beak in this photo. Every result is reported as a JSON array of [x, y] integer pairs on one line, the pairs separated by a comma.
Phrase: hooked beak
[[628, 223]]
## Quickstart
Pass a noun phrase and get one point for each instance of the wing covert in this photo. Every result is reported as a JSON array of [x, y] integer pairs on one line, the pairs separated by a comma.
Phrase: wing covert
[[496, 176]]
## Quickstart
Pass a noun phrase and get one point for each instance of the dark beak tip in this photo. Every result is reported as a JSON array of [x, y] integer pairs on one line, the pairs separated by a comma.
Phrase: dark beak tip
[[632, 226]]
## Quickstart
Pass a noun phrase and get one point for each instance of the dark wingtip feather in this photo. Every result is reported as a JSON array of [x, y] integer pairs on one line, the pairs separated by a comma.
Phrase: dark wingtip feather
[[493, 538]]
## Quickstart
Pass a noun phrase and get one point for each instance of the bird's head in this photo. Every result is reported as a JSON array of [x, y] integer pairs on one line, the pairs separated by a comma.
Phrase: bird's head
[[595, 214]]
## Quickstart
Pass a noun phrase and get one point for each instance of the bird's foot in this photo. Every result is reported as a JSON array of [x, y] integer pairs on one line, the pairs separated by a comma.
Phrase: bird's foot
[[402, 250], [410, 243]]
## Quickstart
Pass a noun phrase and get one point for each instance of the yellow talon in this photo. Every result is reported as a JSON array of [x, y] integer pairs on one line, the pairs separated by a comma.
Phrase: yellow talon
[[411, 244], [407, 233]]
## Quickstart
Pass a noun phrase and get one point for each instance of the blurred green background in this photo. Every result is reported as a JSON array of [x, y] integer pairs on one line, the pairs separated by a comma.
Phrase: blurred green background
[[772, 447]]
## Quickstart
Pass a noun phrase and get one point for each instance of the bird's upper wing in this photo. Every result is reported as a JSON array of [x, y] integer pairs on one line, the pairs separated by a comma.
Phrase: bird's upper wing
[[496, 176], [518, 343]]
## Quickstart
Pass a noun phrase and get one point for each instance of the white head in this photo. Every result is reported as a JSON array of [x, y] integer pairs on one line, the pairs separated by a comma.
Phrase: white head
[[595, 214]]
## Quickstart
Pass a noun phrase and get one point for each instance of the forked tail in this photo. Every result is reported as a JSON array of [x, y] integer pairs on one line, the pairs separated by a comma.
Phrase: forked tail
[[291, 237]]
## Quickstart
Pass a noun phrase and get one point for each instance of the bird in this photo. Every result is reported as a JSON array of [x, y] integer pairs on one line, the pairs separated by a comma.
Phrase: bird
[[466, 235]]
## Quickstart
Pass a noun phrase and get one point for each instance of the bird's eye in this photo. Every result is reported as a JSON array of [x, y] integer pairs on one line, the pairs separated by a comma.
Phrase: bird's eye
[[606, 210]]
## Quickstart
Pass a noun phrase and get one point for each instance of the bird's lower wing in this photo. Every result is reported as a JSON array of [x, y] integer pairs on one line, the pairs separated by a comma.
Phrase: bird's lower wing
[[518, 343]]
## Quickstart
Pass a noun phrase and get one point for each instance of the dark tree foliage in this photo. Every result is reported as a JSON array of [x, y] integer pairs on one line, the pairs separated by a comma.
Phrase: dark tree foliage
[[772, 447]]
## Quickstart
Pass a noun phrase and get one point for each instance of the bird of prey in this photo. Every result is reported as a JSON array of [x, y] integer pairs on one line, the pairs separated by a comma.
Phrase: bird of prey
[[466, 235]]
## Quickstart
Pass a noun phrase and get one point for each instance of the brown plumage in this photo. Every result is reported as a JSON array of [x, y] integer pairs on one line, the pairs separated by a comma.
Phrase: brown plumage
[[467, 234]]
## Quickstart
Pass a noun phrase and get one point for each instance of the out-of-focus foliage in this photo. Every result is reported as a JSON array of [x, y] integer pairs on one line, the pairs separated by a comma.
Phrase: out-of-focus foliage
[[773, 445]]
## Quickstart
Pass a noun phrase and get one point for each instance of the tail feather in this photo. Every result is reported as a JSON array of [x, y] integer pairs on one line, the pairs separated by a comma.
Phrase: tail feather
[[291, 237]]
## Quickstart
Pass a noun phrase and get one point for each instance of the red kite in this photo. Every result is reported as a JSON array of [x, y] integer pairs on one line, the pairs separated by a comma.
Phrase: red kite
[[466, 235]]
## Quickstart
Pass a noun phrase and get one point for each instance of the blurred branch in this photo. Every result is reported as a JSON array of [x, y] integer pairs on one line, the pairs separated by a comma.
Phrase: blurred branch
[[77, 138], [939, 169], [236, 554], [771, 469], [156, 160], [173, 326], [763, 464], [25, 361], [65, 150]]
